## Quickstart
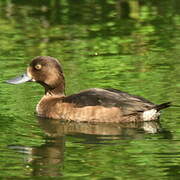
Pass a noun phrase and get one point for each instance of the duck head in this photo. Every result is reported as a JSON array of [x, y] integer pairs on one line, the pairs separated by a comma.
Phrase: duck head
[[46, 71]]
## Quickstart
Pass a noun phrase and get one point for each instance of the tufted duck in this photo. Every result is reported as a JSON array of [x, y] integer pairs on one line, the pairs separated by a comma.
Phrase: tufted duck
[[92, 105]]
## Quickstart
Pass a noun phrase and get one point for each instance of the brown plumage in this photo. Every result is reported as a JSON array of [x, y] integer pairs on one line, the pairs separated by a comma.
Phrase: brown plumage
[[92, 105]]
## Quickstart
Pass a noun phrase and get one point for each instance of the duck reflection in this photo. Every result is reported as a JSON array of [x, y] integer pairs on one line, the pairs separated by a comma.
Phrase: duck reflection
[[47, 160], [56, 128]]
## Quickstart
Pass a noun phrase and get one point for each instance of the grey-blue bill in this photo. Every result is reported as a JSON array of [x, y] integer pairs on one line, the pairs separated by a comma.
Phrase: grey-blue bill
[[20, 79]]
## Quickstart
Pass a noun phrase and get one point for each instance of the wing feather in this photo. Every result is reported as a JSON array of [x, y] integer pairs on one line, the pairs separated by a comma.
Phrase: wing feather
[[109, 98]]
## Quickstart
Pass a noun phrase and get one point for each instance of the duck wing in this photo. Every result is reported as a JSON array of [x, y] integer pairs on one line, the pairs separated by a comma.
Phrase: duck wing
[[129, 104]]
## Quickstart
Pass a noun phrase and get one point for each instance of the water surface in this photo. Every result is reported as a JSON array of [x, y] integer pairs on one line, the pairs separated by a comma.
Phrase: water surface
[[133, 46]]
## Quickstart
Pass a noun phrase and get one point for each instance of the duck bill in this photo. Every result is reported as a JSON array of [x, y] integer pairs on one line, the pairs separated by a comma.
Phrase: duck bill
[[21, 79]]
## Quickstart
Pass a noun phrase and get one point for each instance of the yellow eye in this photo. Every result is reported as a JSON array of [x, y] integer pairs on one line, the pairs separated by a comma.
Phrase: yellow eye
[[38, 66]]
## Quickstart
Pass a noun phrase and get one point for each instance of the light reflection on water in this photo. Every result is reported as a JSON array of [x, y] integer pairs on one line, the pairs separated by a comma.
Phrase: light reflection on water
[[48, 159]]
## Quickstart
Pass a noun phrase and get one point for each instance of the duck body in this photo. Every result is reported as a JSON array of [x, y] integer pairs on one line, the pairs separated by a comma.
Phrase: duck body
[[98, 105], [91, 105]]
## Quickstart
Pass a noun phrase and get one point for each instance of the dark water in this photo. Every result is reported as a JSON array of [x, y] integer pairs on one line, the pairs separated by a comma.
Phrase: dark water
[[129, 45]]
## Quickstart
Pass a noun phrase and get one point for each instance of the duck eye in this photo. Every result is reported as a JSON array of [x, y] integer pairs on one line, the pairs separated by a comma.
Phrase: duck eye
[[38, 66]]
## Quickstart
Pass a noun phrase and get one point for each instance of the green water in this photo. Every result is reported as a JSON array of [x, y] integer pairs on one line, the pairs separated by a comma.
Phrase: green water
[[129, 45]]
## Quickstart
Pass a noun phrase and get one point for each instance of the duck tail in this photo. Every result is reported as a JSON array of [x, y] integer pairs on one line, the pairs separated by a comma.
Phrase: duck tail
[[162, 106]]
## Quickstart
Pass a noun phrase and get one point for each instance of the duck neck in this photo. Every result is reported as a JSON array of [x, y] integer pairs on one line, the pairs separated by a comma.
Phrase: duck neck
[[54, 86], [58, 90]]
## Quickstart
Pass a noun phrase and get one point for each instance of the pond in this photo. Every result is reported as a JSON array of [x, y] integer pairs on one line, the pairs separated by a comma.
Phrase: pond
[[133, 46]]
